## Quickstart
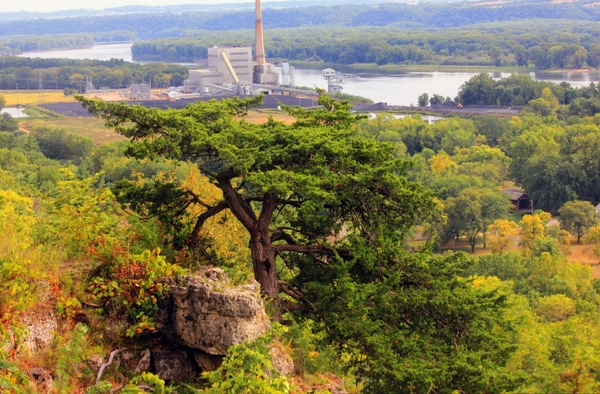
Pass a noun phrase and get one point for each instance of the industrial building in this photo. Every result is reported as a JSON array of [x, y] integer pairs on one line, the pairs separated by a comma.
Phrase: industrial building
[[227, 67], [232, 70]]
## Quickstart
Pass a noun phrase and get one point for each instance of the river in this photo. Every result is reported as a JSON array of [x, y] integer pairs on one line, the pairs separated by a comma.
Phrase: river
[[397, 88]]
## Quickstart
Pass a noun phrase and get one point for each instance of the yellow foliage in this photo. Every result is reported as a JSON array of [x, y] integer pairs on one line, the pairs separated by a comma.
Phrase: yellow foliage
[[442, 165], [502, 232], [230, 237], [550, 98], [592, 239], [532, 228]]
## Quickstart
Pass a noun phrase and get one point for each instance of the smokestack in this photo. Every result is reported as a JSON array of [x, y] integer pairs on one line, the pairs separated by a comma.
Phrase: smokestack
[[260, 43]]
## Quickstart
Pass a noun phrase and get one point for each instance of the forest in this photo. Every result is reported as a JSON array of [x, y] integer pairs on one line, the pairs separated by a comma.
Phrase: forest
[[388, 253], [539, 44]]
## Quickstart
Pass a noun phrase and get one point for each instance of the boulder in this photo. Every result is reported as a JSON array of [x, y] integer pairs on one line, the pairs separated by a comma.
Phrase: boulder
[[206, 312]]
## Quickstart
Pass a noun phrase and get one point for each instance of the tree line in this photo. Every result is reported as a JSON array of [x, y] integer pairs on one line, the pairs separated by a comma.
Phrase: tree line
[[519, 89], [24, 73], [539, 44]]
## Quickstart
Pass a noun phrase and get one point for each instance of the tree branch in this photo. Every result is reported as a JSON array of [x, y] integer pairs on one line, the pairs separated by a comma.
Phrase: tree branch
[[285, 288], [197, 199], [239, 207], [308, 249], [212, 211], [106, 364]]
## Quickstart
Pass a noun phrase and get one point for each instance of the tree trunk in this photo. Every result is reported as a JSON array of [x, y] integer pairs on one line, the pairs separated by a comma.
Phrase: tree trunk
[[263, 262]]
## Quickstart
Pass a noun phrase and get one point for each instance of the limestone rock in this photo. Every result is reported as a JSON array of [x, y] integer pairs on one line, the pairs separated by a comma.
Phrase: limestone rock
[[95, 361], [41, 330], [172, 365], [281, 359], [205, 312], [42, 379]]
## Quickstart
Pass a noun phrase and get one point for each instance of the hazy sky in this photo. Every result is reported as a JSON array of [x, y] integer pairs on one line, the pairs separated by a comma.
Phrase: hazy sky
[[56, 5]]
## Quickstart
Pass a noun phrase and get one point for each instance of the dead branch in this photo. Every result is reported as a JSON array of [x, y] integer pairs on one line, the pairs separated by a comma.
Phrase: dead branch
[[109, 362]]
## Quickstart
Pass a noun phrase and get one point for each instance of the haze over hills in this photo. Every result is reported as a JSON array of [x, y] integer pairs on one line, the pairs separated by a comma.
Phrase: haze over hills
[[184, 20], [24, 13]]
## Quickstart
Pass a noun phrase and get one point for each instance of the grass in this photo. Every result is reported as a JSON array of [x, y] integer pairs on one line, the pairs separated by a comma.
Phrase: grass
[[90, 127], [574, 252], [262, 115], [26, 97]]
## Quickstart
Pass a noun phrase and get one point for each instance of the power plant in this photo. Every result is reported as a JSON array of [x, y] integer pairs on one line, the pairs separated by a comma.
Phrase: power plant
[[232, 70]]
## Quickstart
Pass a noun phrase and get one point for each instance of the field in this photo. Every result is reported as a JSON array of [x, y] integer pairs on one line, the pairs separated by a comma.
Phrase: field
[[89, 127], [574, 252], [93, 127], [26, 97]]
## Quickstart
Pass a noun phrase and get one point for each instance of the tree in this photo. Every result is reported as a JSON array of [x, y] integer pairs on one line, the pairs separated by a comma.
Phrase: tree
[[592, 238], [2, 101], [436, 99], [532, 229], [473, 210], [423, 100], [464, 215], [420, 328], [577, 217], [503, 232], [8, 123], [306, 188], [540, 107]]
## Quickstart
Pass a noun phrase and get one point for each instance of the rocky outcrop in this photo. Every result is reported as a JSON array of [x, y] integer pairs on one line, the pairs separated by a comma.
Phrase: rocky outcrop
[[205, 312], [40, 331]]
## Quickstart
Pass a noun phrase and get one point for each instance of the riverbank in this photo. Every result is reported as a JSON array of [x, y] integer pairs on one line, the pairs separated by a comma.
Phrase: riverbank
[[441, 110], [399, 68]]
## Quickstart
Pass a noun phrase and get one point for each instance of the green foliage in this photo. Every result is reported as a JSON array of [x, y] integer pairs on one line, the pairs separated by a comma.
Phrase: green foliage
[[540, 107], [577, 217], [247, 368], [8, 123], [57, 144], [12, 380], [146, 382], [310, 353], [423, 100], [71, 360], [556, 307], [405, 310]]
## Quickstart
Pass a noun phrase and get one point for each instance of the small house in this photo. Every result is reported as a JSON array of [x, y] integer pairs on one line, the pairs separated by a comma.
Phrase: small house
[[519, 199]]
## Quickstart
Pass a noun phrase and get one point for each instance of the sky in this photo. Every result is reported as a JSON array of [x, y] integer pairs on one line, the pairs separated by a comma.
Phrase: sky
[[57, 5]]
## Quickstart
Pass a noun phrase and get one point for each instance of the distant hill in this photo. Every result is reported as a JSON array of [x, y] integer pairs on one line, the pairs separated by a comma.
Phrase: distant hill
[[176, 21]]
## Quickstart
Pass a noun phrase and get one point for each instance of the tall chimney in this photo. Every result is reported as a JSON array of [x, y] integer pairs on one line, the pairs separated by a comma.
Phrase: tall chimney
[[260, 43]]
